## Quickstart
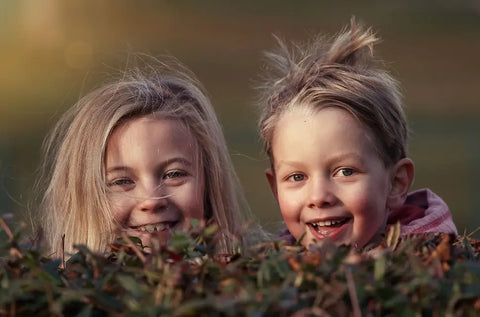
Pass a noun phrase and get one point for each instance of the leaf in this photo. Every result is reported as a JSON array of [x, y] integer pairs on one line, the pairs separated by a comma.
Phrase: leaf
[[130, 285], [380, 268], [393, 235], [468, 248], [210, 230], [85, 312]]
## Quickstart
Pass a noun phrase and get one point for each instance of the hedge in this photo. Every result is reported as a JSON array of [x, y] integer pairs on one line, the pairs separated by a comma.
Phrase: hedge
[[415, 275]]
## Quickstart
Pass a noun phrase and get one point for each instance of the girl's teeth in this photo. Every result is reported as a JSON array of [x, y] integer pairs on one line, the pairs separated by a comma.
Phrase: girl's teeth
[[154, 227]]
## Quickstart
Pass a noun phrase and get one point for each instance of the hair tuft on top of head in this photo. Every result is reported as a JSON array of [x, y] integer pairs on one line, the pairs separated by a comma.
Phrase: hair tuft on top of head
[[351, 47], [340, 71], [289, 69]]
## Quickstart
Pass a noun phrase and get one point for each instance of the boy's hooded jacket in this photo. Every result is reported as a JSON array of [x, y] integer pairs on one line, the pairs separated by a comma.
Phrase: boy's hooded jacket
[[423, 211]]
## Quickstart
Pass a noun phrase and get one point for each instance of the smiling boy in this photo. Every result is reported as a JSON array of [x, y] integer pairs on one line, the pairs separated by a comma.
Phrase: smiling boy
[[335, 131]]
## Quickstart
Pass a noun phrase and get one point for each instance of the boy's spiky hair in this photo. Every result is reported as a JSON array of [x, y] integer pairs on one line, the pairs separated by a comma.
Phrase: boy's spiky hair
[[339, 72]]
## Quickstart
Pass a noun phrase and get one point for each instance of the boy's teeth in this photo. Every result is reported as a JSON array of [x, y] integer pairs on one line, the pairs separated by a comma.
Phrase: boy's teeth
[[327, 223]]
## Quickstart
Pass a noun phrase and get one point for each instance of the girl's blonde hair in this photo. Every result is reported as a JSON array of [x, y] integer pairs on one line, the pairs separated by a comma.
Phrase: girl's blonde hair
[[74, 197], [336, 73]]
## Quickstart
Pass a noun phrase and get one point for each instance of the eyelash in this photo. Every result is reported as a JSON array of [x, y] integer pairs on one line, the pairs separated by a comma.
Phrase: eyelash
[[292, 177], [120, 182], [174, 174], [351, 172], [125, 181]]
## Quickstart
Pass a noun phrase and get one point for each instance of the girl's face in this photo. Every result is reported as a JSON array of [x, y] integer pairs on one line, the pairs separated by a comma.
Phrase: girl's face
[[154, 176], [328, 179]]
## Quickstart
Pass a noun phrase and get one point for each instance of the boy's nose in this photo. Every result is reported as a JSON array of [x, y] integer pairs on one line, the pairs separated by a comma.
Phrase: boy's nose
[[321, 194]]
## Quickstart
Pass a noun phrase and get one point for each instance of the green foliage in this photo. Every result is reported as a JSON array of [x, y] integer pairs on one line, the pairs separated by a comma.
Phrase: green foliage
[[429, 274]]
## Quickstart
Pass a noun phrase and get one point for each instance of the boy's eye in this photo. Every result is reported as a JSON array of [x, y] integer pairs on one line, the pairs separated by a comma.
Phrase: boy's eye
[[297, 177], [343, 172]]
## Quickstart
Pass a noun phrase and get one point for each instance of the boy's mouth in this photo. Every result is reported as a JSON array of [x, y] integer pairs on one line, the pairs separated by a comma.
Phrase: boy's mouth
[[161, 226], [327, 228], [328, 223]]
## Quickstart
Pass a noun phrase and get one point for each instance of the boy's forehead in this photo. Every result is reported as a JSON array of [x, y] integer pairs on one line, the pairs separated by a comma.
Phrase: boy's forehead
[[301, 108], [307, 114], [297, 125]]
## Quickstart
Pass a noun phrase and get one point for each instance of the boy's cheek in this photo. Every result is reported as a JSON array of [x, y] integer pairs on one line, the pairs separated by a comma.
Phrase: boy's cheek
[[290, 210]]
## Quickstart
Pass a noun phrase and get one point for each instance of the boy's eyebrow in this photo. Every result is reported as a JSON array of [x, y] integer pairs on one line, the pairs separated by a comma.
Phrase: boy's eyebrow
[[348, 155], [335, 158], [169, 161], [290, 163]]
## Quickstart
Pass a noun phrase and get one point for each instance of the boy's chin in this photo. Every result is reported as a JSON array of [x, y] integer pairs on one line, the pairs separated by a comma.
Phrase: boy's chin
[[338, 236]]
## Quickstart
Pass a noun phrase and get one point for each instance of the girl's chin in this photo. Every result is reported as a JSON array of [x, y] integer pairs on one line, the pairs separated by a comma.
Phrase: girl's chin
[[150, 238]]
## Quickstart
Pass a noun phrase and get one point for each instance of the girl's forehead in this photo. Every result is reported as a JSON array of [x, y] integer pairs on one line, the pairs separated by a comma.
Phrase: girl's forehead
[[152, 128], [153, 119], [151, 141]]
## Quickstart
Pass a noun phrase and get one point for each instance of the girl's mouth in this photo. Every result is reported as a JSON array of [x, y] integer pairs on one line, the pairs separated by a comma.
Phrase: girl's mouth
[[155, 227]]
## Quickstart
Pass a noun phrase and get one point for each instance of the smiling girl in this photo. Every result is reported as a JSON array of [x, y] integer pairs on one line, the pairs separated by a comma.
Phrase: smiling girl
[[143, 154], [335, 131]]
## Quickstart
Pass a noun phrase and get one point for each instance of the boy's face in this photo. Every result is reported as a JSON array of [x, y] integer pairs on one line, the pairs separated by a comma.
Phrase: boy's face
[[154, 178], [328, 179]]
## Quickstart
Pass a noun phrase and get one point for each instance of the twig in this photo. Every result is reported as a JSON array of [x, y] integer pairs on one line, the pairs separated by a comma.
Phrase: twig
[[3, 224], [63, 251], [353, 293], [473, 232]]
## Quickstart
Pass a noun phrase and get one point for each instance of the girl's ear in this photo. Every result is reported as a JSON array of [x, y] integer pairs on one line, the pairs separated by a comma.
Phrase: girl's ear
[[402, 177], [271, 181]]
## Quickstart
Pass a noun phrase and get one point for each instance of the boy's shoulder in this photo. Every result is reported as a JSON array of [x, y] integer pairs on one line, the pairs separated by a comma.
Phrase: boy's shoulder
[[423, 211], [286, 237]]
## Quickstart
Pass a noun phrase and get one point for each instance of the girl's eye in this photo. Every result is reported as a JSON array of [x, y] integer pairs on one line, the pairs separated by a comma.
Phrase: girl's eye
[[174, 174], [297, 177], [344, 172], [120, 182], [175, 177]]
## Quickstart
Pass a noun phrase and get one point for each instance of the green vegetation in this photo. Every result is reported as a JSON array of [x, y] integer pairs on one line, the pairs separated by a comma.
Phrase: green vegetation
[[429, 274]]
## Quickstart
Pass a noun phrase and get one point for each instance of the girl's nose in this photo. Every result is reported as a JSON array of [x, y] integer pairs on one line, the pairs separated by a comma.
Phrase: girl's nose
[[152, 200], [321, 193]]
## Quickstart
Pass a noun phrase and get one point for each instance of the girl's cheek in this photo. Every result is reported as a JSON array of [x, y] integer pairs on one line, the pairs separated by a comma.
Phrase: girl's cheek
[[120, 208]]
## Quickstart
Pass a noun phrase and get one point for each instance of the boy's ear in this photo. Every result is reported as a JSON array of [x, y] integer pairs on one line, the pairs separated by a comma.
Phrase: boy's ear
[[402, 177], [271, 181]]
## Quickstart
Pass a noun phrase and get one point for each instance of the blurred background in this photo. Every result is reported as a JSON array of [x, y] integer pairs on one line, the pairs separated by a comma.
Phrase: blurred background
[[54, 51]]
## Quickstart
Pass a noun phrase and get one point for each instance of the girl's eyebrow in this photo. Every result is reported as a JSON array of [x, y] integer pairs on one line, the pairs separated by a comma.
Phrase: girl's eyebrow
[[118, 169], [179, 159], [164, 164]]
